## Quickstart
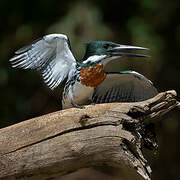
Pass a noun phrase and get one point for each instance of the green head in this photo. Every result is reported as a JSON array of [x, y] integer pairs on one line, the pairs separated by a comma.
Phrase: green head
[[98, 48], [97, 51]]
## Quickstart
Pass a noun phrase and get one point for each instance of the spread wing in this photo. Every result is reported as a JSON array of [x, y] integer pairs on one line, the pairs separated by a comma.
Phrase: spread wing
[[51, 55], [127, 86]]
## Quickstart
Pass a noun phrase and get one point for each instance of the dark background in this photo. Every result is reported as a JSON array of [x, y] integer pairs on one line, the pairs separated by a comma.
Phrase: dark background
[[149, 23]]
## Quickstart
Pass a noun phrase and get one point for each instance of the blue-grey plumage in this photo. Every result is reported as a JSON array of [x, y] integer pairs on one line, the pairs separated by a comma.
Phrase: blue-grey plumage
[[87, 81], [125, 86]]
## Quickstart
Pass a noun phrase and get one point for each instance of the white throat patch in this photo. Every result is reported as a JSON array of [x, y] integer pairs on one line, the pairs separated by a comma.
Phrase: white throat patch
[[94, 58]]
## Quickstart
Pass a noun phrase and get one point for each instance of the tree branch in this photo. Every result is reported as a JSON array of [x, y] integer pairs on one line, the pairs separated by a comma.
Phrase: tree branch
[[104, 134]]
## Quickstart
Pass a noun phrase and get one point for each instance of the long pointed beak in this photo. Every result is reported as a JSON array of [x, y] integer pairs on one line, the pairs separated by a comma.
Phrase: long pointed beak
[[115, 51]]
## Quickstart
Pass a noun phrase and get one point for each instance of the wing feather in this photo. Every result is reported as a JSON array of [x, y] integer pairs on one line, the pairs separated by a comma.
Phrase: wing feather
[[51, 55], [124, 87]]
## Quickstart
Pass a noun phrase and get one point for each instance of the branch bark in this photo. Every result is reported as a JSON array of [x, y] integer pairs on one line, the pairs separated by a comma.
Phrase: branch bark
[[104, 134]]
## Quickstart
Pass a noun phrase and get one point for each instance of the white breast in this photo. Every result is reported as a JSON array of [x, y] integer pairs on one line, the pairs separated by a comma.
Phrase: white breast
[[82, 95]]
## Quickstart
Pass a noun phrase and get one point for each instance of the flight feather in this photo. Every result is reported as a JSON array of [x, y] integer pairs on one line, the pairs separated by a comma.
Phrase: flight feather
[[51, 55]]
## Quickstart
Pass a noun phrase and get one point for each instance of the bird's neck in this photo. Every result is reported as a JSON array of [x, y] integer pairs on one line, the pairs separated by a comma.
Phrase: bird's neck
[[92, 76]]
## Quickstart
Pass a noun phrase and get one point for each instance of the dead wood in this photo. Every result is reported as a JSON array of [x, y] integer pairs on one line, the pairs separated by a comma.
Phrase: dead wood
[[100, 135]]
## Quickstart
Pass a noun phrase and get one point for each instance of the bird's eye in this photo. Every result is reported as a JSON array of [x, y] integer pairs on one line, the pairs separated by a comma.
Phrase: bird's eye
[[106, 46]]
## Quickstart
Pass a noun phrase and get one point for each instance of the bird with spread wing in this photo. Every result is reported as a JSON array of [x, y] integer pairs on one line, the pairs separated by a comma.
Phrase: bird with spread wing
[[86, 81]]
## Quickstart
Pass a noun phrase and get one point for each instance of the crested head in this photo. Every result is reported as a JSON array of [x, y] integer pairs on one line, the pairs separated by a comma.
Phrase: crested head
[[96, 52], [98, 48]]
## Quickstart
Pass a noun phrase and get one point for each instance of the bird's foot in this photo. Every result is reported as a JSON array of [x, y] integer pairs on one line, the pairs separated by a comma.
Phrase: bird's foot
[[77, 106]]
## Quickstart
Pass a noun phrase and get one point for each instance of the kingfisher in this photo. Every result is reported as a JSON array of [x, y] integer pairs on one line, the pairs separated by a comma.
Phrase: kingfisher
[[86, 81]]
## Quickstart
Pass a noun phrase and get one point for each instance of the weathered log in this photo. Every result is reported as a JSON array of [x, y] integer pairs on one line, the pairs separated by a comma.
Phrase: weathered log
[[104, 134]]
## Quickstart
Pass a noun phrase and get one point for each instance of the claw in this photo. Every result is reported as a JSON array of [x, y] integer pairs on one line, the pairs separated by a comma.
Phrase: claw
[[76, 105]]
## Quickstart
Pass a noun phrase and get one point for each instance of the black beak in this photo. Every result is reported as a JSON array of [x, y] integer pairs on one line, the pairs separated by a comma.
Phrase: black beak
[[115, 51]]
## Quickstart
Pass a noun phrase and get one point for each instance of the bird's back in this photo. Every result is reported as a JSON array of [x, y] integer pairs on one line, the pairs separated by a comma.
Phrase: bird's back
[[124, 87]]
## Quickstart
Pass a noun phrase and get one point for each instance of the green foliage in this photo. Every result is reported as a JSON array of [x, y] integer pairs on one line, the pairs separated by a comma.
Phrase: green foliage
[[148, 4]]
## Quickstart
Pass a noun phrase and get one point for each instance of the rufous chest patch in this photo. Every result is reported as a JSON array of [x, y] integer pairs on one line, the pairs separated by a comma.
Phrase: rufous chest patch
[[93, 76]]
